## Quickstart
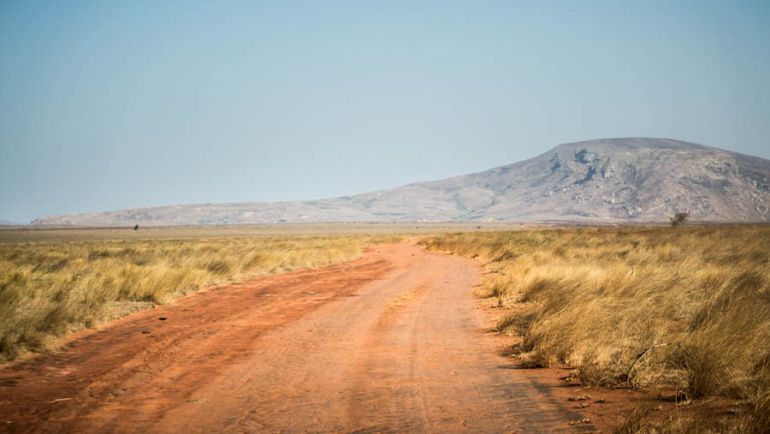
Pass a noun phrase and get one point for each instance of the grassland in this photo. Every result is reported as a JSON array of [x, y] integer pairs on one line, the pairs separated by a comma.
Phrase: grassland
[[685, 308], [54, 281], [65, 280], [45, 233]]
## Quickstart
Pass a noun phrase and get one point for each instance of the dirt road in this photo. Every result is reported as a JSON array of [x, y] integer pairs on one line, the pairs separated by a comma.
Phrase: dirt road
[[389, 343]]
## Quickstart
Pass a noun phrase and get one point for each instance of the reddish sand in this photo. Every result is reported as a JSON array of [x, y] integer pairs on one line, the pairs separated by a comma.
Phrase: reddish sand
[[392, 342]]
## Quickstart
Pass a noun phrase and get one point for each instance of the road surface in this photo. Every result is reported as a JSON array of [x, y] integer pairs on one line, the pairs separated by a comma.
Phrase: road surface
[[389, 343]]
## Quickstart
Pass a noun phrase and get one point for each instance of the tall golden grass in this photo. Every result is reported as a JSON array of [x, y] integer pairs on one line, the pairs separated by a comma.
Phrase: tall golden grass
[[48, 289], [684, 307]]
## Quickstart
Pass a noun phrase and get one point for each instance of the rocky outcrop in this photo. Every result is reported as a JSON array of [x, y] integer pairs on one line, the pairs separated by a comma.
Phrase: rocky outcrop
[[609, 180]]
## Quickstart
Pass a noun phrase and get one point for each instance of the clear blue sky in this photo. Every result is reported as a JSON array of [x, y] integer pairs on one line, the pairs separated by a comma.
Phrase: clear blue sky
[[107, 105]]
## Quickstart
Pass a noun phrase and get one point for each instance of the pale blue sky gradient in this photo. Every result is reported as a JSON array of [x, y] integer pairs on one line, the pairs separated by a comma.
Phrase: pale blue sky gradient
[[109, 105]]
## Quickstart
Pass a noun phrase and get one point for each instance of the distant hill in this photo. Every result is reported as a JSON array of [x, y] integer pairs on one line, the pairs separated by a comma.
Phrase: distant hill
[[8, 223], [609, 180]]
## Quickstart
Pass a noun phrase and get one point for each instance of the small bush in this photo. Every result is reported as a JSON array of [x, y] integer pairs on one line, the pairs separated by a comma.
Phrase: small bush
[[679, 218]]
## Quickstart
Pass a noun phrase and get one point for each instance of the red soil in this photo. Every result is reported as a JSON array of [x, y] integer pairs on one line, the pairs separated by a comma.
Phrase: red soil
[[392, 342]]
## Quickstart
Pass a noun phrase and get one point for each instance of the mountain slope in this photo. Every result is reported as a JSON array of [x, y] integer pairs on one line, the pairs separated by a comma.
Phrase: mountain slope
[[637, 179]]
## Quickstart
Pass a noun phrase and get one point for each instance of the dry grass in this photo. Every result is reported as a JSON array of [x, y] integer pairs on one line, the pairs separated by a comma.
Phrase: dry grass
[[641, 421], [16, 234], [684, 307], [51, 288]]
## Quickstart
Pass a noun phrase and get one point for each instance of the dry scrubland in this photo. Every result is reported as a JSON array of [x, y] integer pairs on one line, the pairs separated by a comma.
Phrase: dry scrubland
[[57, 280], [685, 308], [41, 233], [51, 288]]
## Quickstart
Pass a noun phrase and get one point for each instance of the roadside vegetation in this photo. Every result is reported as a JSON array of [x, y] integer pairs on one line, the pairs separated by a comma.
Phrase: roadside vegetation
[[51, 288], [685, 308]]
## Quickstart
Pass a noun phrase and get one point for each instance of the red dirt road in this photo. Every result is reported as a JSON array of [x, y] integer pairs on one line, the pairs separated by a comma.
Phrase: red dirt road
[[389, 343]]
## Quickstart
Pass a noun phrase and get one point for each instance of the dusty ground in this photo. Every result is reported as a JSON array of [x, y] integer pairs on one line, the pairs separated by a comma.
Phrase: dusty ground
[[392, 343]]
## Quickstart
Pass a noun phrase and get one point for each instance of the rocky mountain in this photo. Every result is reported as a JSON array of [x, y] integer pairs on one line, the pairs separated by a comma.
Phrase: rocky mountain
[[610, 180]]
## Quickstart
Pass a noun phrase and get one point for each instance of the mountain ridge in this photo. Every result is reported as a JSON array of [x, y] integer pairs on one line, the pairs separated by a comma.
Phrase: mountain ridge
[[606, 180]]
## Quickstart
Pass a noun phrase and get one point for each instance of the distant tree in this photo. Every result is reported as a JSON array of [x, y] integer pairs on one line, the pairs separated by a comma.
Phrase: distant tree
[[136, 228], [679, 218]]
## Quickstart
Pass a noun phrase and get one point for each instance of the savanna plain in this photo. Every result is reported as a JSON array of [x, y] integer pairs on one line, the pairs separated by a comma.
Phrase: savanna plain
[[666, 315]]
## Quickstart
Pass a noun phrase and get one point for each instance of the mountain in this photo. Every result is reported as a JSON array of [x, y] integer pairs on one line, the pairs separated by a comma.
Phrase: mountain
[[8, 223], [609, 180]]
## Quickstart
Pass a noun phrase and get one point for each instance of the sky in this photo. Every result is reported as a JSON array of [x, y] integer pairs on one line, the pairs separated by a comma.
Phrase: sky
[[111, 105]]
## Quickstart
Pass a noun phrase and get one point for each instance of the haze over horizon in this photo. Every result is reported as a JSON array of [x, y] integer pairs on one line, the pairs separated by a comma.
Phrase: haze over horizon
[[115, 105]]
